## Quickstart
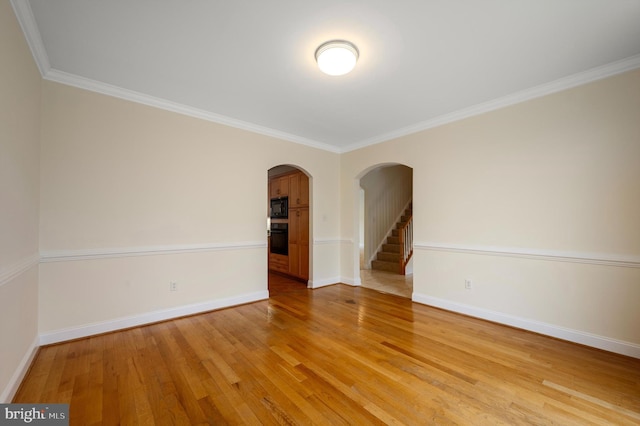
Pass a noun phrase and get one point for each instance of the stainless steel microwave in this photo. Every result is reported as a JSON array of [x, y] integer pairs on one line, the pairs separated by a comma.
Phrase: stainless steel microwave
[[279, 208]]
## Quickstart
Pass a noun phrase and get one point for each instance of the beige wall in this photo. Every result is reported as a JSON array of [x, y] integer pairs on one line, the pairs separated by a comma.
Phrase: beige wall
[[134, 198], [536, 203], [555, 182], [19, 192]]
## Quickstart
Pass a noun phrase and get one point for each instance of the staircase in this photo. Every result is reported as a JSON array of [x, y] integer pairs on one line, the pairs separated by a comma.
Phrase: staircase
[[396, 252]]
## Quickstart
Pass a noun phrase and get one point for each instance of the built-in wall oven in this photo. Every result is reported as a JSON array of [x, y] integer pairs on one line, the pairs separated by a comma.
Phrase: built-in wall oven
[[280, 238], [279, 208]]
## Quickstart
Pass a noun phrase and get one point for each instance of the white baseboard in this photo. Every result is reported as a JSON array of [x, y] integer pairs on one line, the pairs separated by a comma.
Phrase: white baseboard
[[576, 336], [351, 281], [148, 318], [323, 283], [14, 383]]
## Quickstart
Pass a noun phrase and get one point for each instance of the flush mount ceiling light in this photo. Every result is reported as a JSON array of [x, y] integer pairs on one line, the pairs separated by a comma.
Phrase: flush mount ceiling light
[[336, 57]]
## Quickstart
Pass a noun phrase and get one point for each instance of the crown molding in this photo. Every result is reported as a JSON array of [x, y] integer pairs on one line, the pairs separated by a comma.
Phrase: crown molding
[[27, 22], [34, 40], [29, 27], [559, 85], [133, 96], [584, 77]]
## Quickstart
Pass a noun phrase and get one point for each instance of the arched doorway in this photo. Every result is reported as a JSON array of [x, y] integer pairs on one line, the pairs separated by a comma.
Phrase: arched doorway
[[288, 212], [385, 228]]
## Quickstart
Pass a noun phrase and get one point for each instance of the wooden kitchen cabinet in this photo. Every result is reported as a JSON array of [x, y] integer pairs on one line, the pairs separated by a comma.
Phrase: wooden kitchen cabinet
[[298, 190], [279, 263], [279, 187], [299, 242], [292, 185]]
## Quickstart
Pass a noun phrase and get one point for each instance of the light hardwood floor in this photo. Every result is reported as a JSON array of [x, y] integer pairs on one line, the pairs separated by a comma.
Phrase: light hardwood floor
[[334, 355]]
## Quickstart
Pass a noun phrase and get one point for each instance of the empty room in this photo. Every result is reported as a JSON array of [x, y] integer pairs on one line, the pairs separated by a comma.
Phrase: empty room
[[413, 212]]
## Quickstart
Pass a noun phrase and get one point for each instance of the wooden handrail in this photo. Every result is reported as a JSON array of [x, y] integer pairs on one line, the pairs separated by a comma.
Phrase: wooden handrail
[[405, 234]]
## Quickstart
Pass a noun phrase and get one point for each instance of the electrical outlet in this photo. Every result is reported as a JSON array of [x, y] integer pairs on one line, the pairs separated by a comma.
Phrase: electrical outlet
[[173, 286], [468, 284]]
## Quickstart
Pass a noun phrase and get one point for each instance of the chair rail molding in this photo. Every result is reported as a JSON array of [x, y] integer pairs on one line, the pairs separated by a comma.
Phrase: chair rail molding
[[626, 261], [14, 269], [107, 253]]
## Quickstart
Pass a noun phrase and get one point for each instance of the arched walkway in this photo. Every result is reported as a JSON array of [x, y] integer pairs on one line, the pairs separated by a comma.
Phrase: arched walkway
[[384, 192]]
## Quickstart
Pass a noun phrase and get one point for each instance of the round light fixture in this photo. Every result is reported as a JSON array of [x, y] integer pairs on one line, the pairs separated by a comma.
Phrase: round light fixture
[[336, 57]]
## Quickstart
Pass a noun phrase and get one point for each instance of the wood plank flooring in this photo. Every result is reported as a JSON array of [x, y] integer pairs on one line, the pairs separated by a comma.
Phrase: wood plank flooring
[[335, 355]]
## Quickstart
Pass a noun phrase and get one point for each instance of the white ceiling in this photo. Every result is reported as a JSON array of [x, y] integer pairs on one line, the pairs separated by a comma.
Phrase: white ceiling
[[250, 63]]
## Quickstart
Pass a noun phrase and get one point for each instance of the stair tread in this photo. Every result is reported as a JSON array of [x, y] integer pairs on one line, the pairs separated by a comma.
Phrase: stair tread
[[388, 257], [385, 266]]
